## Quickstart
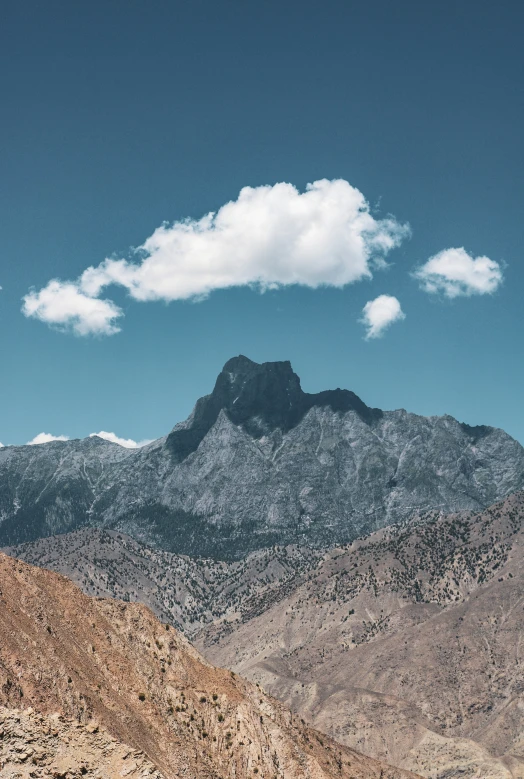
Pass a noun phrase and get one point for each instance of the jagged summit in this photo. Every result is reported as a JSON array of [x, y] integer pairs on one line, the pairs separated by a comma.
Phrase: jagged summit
[[261, 397]]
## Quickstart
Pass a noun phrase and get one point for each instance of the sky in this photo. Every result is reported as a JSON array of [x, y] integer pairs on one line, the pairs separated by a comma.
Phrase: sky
[[338, 184]]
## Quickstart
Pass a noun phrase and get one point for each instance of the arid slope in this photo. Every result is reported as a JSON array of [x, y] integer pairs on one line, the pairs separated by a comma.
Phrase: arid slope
[[406, 645], [114, 666]]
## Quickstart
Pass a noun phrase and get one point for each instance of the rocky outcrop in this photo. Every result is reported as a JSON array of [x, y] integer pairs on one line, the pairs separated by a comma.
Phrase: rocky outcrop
[[259, 462], [35, 746]]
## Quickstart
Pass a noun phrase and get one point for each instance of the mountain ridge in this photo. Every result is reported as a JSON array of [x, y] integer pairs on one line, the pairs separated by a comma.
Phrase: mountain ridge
[[100, 674], [259, 463]]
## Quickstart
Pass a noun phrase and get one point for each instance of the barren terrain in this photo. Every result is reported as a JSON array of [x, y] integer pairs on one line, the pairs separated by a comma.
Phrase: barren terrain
[[405, 645], [76, 668]]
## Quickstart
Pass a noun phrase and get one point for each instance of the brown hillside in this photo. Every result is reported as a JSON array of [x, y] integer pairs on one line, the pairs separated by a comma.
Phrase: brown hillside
[[93, 670]]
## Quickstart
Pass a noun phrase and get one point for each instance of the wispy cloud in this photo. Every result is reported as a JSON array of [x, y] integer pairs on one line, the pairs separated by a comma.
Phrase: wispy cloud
[[271, 236], [127, 442], [379, 314], [45, 438], [454, 272]]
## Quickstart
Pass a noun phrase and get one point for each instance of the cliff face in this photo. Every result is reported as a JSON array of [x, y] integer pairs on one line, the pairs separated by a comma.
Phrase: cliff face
[[259, 462], [101, 675]]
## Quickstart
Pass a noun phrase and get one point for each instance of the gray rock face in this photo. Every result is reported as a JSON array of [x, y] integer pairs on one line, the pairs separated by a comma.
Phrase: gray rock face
[[259, 462]]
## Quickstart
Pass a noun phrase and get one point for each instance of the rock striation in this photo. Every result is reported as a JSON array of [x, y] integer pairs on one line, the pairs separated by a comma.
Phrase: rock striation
[[259, 462]]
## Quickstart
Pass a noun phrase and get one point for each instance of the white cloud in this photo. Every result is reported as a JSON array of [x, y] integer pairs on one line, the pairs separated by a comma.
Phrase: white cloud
[[64, 305], [127, 442], [1, 445], [379, 314], [454, 272], [45, 438], [271, 236]]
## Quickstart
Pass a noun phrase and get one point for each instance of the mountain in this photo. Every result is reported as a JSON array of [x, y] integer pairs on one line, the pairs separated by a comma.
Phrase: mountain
[[93, 687], [405, 645], [259, 463]]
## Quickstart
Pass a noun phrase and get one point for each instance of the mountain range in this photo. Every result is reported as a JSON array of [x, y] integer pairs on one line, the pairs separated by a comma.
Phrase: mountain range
[[404, 645], [259, 463], [365, 567]]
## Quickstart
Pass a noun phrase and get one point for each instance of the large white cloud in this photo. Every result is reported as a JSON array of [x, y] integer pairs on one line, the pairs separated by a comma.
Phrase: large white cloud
[[127, 442], [380, 313], [269, 237], [454, 272], [45, 438]]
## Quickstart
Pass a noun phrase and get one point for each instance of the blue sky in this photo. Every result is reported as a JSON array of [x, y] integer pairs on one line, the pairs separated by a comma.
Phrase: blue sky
[[120, 116]]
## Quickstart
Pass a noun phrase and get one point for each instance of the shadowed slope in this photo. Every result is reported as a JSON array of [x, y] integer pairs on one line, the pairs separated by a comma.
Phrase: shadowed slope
[[261, 398]]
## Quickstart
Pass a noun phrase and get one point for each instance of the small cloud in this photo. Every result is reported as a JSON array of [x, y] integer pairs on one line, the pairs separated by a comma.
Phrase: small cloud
[[269, 237], [64, 306], [379, 314], [1, 445], [454, 273], [45, 438], [127, 442]]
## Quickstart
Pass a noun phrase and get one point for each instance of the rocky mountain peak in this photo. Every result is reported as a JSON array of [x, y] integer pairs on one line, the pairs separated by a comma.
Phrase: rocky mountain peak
[[261, 397], [259, 462]]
